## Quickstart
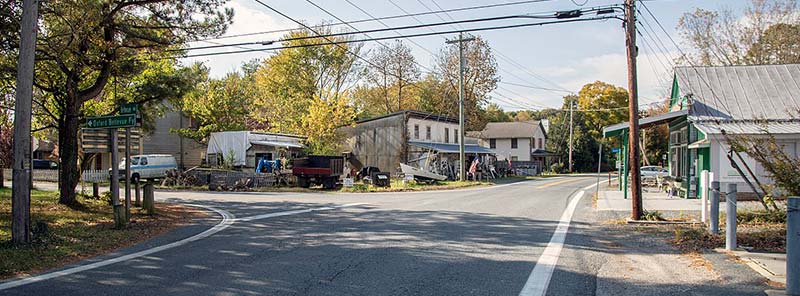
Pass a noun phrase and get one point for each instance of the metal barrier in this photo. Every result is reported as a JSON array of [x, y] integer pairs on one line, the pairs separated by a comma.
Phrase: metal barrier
[[793, 246]]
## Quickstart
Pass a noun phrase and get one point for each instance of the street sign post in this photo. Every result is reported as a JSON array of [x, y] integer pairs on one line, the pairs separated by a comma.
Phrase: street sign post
[[126, 120], [129, 109]]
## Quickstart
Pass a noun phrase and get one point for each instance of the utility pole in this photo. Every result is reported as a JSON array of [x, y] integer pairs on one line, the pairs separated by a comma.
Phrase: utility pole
[[633, 111], [571, 103], [21, 175], [461, 133]]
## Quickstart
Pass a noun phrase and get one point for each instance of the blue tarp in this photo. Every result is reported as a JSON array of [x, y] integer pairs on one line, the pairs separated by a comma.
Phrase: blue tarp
[[452, 148]]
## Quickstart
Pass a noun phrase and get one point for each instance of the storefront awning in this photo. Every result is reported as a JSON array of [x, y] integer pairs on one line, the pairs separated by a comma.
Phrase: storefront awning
[[616, 129], [277, 144], [703, 143], [452, 148], [542, 152]]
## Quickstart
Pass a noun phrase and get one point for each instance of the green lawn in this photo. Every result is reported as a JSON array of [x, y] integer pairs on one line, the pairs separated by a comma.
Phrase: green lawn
[[74, 234]]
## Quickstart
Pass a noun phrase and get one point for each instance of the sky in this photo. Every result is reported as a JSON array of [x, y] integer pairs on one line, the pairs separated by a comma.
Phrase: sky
[[559, 56]]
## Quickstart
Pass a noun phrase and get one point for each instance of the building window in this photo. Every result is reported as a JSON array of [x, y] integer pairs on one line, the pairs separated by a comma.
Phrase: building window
[[514, 158], [493, 143], [514, 143], [446, 135], [428, 132], [374, 136], [539, 143], [416, 131], [455, 133]]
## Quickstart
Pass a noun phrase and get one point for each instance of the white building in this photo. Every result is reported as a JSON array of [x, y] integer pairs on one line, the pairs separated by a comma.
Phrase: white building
[[523, 141]]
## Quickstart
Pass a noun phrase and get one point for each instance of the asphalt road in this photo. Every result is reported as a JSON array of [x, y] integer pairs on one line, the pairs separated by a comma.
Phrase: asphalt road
[[480, 241]]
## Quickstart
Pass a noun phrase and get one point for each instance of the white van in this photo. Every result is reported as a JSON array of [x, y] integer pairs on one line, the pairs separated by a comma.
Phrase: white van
[[151, 166]]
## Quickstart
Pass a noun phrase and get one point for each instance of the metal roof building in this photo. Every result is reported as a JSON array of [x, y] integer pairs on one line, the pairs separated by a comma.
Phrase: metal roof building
[[711, 104]]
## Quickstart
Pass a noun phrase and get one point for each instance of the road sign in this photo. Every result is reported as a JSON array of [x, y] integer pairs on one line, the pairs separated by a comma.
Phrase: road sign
[[127, 120], [614, 150], [129, 109]]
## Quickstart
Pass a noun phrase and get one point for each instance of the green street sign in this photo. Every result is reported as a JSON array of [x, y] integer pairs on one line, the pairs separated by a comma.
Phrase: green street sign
[[129, 109], [127, 120]]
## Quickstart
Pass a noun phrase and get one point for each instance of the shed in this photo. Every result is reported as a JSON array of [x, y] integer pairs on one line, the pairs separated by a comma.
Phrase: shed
[[246, 147]]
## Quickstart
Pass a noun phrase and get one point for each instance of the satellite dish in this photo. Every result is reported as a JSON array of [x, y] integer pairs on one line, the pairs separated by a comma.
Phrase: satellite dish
[[34, 144]]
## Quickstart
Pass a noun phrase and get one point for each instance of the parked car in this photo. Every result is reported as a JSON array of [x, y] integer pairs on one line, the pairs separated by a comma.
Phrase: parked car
[[44, 164], [654, 171], [151, 166]]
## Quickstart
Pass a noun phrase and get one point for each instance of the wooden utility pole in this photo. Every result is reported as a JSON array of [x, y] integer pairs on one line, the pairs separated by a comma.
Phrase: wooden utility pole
[[119, 209], [571, 103], [21, 166], [461, 115], [633, 111]]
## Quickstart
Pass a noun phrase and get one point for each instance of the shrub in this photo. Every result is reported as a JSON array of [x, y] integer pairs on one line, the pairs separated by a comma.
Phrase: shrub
[[761, 217], [652, 216]]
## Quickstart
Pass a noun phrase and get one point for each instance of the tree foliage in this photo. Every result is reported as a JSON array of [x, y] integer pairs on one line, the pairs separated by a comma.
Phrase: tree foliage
[[613, 100], [759, 36], [295, 84], [81, 45], [218, 105], [390, 76], [439, 93]]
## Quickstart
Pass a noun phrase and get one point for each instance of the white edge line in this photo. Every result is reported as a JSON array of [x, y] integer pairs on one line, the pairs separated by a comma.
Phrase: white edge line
[[295, 212], [539, 279], [227, 220]]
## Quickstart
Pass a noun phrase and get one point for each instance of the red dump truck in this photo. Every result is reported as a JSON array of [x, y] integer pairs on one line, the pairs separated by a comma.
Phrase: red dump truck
[[318, 170]]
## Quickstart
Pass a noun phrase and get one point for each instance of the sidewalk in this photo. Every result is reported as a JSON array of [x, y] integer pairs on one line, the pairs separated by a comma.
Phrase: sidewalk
[[612, 200], [771, 265]]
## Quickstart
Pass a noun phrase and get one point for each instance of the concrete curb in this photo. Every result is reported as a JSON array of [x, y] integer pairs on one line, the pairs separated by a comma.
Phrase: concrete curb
[[647, 222]]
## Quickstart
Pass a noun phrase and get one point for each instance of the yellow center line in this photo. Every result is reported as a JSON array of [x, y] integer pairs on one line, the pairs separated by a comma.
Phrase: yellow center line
[[559, 182]]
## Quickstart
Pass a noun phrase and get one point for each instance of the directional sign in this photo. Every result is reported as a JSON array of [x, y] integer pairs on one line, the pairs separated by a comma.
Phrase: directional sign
[[127, 120], [128, 108], [615, 150]]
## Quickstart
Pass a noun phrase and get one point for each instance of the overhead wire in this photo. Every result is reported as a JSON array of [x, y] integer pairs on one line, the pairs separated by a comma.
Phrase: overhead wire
[[385, 18], [693, 67]]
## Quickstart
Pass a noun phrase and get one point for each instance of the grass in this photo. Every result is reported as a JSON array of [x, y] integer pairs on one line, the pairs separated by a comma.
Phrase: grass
[[76, 233], [399, 186]]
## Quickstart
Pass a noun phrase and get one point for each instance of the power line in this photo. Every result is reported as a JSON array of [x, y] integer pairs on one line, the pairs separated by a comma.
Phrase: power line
[[422, 25], [500, 54], [537, 87], [683, 54], [332, 42], [503, 56], [598, 11], [386, 18]]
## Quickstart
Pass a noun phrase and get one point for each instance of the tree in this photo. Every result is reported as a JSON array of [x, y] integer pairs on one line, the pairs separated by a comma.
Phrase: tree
[[392, 69], [294, 84], [323, 119], [82, 45], [494, 113], [613, 100], [218, 105], [780, 44], [480, 78], [6, 132], [722, 38]]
